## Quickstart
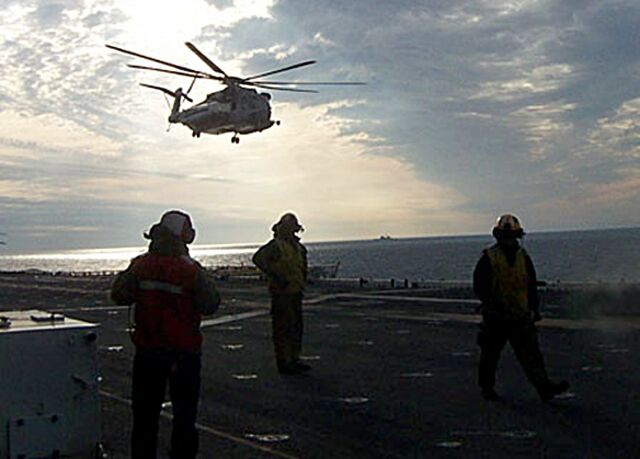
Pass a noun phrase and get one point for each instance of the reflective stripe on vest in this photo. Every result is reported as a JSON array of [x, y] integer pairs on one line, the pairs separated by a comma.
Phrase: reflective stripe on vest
[[510, 284]]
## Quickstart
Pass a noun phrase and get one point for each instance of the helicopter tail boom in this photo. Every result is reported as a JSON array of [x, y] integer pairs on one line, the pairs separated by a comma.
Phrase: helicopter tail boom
[[177, 98]]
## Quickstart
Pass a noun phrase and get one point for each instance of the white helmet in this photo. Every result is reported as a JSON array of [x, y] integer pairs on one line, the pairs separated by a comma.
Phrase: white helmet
[[175, 223], [508, 225]]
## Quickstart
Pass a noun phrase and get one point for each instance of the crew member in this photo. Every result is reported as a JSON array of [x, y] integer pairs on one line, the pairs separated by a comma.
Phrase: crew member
[[284, 261], [505, 282], [170, 291]]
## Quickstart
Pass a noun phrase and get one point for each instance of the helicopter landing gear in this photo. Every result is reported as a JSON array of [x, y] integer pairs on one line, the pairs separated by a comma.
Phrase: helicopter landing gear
[[235, 139]]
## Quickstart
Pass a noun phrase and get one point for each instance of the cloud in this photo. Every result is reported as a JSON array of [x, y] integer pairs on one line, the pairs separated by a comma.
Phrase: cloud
[[536, 81], [220, 4], [471, 108], [339, 190], [543, 126], [339, 185], [49, 15], [612, 204], [619, 134]]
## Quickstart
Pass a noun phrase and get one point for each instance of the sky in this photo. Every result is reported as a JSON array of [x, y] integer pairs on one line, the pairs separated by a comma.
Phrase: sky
[[471, 109]]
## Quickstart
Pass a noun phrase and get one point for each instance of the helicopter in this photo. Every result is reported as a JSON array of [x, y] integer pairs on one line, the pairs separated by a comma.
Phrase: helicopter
[[238, 108]]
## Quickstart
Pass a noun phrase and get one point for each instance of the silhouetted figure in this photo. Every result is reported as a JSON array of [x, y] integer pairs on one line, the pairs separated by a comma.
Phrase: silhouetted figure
[[170, 291], [284, 261], [505, 281]]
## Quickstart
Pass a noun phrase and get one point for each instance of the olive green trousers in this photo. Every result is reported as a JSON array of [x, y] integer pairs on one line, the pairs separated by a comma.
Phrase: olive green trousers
[[286, 321]]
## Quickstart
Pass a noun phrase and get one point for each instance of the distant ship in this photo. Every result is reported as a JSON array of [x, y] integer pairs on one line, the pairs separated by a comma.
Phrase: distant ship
[[385, 237]]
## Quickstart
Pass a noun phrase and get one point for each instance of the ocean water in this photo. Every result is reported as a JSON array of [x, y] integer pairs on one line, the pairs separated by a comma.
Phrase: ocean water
[[580, 256]]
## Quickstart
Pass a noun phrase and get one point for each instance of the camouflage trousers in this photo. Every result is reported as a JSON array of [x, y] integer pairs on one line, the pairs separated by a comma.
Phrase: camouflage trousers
[[523, 337], [286, 321]]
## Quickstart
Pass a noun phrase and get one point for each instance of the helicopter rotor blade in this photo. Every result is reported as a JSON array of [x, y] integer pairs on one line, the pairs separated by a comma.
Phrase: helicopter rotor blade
[[159, 88], [191, 85], [327, 83], [205, 59], [174, 72], [266, 86], [166, 91], [284, 69], [152, 59]]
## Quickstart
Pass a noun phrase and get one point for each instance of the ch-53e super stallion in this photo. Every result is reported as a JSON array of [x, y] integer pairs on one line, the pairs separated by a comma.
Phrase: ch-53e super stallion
[[238, 108]]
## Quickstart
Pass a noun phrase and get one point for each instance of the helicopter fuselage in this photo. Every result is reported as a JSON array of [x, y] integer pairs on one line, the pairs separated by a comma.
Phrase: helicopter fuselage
[[234, 109]]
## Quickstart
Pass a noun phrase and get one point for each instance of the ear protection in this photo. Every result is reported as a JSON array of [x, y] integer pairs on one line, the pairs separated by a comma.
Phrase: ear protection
[[179, 224], [188, 235], [508, 225]]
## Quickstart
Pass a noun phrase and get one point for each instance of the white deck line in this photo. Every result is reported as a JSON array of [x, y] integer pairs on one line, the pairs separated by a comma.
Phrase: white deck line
[[415, 299], [233, 318], [364, 296], [89, 308], [209, 430]]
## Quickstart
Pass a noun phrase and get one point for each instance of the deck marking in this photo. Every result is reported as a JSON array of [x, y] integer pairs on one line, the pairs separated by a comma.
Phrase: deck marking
[[412, 299], [89, 308], [210, 430], [233, 318]]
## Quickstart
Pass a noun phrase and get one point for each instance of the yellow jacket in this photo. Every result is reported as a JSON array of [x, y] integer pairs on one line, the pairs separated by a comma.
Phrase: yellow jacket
[[509, 284], [284, 261]]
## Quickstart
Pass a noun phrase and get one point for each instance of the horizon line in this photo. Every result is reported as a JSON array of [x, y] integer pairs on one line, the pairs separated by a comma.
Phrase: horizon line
[[231, 245]]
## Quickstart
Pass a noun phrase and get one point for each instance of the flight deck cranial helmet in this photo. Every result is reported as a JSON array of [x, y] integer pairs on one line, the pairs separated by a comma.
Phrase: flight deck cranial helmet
[[175, 223], [287, 223], [507, 225]]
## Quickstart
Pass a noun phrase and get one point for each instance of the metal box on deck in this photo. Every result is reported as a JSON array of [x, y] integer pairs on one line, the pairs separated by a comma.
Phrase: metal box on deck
[[49, 402]]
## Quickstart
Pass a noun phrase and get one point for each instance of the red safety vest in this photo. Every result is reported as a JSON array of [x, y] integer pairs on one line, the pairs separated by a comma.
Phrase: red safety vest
[[165, 317]]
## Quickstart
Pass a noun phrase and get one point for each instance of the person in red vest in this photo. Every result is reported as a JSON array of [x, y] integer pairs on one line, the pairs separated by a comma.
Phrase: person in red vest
[[170, 291], [505, 282]]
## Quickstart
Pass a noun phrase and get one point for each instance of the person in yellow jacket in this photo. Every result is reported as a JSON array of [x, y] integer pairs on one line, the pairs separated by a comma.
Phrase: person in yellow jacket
[[284, 261], [505, 282]]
